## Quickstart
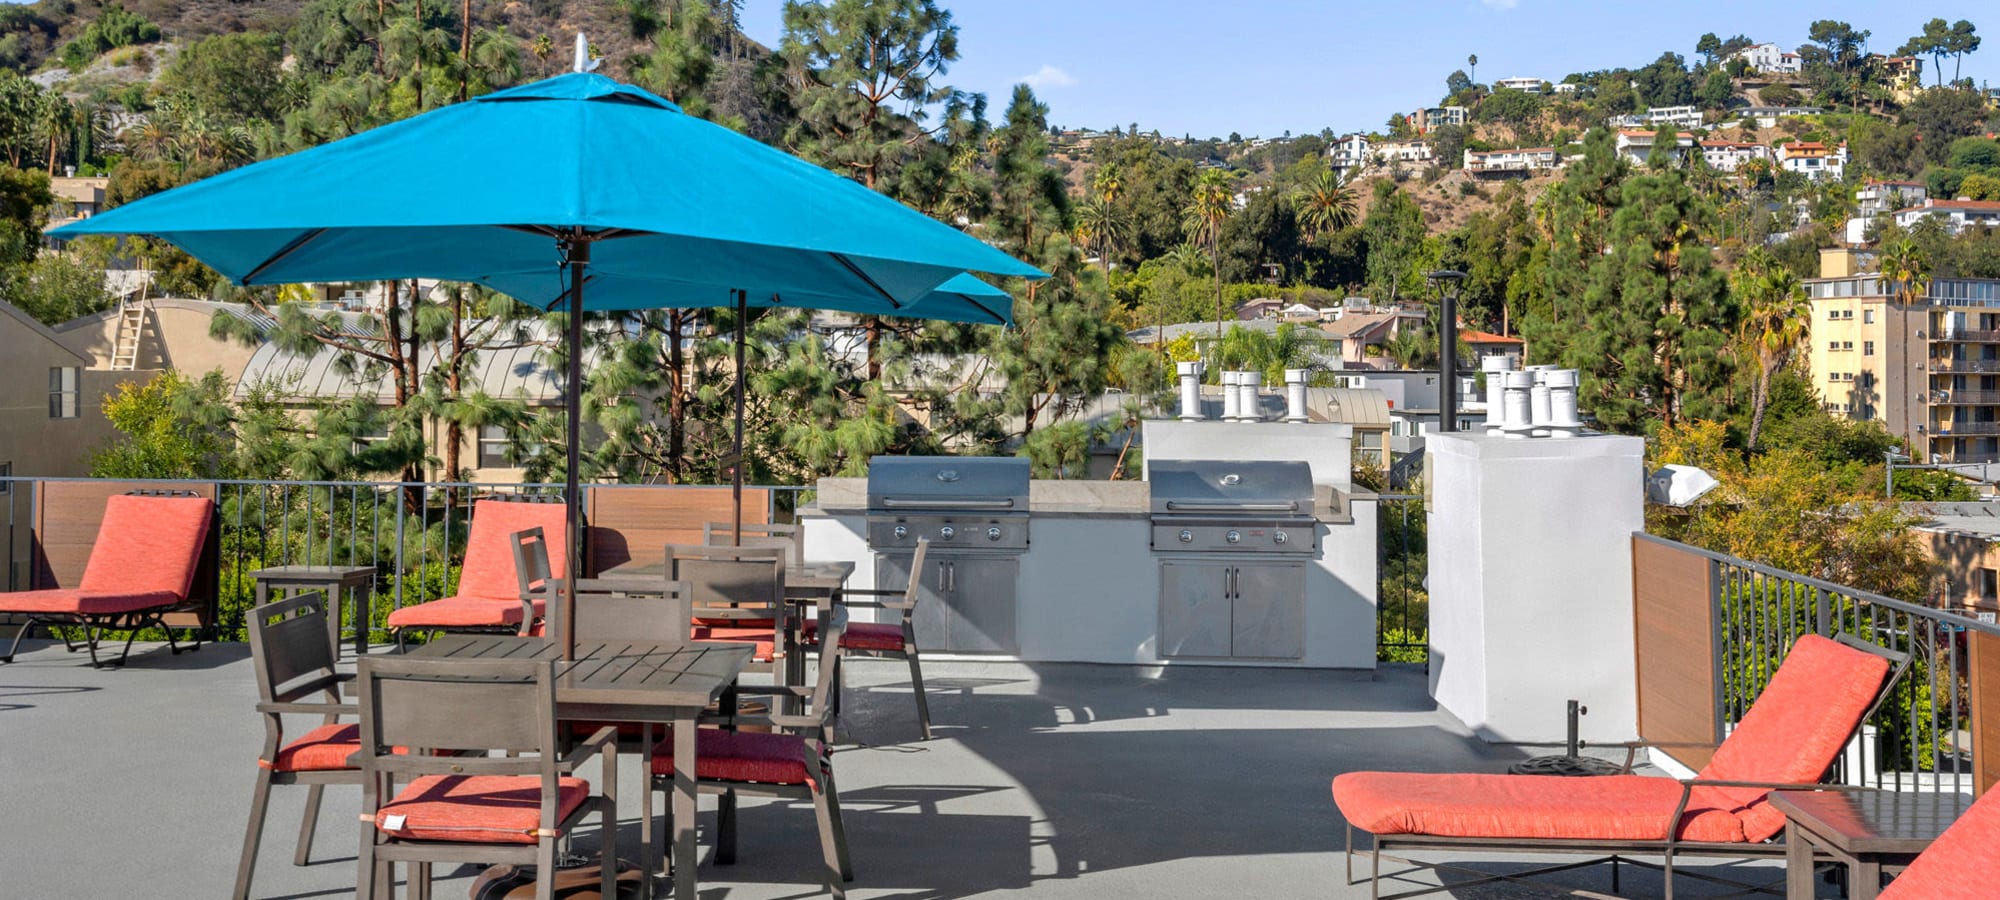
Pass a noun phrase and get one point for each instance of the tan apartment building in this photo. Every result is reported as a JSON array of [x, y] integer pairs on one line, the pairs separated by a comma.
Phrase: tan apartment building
[[51, 400], [1929, 370], [1965, 540]]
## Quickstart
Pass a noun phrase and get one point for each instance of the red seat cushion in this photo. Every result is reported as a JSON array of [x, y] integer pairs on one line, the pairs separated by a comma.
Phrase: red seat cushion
[[322, 749], [1615, 807], [1796, 726], [712, 622], [766, 644], [462, 612], [1961, 863], [147, 545], [486, 809], [741, 756], [84, 603], [864, 636]]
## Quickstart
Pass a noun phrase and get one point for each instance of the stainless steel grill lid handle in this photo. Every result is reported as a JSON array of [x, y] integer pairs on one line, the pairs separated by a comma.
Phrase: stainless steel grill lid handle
[[1226, 507]]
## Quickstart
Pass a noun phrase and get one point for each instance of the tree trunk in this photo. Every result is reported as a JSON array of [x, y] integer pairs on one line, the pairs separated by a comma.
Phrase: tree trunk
[[465, 51], [454, 438], [676, 397], [1758, 401], [873, 329]]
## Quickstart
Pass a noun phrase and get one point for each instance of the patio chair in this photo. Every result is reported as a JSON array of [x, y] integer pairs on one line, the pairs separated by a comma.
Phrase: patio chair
[[296, 676], [1790, 737], [1960, 864], [141, 567], [785, 537], [489, 597], [478, 809], [885, 640], [794, 760], [736, 594]]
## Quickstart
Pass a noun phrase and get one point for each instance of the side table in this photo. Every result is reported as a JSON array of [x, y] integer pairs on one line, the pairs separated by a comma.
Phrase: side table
[[1869, 831], [338, 582]]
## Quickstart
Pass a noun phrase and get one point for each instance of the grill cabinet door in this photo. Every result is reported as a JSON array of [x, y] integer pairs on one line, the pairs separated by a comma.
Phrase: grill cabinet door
[[980, 594], [893, 573], [1269, 615], [1194, 609]]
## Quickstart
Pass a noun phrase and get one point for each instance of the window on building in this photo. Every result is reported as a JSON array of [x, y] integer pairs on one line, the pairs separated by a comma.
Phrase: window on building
[[1867, 348], [1867, 317], [1846, 345], [493, 448], [1989, 591], [62, 391]]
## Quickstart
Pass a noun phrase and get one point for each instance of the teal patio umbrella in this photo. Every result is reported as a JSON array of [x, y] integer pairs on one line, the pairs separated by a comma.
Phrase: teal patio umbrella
[[576, 193]]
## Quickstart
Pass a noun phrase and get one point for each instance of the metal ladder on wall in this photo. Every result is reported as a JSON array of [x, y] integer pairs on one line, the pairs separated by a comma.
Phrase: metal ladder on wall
[[131, 326]]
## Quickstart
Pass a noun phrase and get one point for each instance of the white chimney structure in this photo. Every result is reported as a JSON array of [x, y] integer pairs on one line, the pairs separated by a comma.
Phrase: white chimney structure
[[1246, 406], [1295, 395], [1232, 402], [1190, 373]]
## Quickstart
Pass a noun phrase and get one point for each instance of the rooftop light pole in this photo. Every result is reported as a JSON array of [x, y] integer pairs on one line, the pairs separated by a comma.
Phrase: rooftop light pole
[[1447, 284]]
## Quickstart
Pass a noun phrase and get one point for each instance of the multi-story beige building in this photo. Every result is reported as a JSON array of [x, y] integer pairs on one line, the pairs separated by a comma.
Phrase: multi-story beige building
[[1928, 370]]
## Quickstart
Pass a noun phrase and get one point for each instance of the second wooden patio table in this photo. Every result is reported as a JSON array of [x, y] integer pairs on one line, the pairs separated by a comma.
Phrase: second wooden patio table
[[654, 683]]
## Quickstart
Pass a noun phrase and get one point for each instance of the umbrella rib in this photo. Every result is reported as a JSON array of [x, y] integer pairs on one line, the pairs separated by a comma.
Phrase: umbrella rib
[[285, 251], [997, 318], [856, 272]]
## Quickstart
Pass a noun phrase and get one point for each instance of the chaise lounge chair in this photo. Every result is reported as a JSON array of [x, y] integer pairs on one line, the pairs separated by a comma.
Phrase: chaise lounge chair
[[1790, 737], [1960, 864], [141, 568], [490, 596]]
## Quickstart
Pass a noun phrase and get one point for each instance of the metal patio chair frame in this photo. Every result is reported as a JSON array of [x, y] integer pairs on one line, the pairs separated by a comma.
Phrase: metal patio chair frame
[[905, 601], [293, 663], [772, 534], [754, 591], [506, 705], [814, 729], [1616, 852]]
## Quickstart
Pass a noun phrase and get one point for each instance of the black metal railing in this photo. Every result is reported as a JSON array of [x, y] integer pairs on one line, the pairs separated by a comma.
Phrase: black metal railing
[[1920, 738], [1402, 604], [412, 533]]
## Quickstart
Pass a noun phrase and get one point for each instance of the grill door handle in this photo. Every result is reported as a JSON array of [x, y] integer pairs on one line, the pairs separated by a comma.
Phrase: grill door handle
[[1197, 506]]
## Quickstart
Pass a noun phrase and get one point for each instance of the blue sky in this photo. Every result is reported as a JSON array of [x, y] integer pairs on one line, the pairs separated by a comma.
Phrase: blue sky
[[1261, 67]]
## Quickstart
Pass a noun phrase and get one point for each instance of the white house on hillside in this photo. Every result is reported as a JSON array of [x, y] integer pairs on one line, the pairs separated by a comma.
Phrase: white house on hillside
[[1348, 153], [1636, 145], [1878, 197], [1960, 214], [1527, 159], [1770, 59], [1524, 85], [1727, 156], [1677, 116], [1814, 160]]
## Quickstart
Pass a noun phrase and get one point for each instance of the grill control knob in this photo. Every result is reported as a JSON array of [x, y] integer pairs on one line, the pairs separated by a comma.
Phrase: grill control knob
[[1281, 537], [1233, 537], [902, 532], [1187, 537], [947, 532], [993, 533]]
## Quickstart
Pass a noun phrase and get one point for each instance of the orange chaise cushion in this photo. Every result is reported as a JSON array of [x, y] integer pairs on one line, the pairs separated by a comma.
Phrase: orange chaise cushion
[[1961, 864], [489, 549], [462, 612], [1615, 807], [487, 809], [84, 603], [147, 545], [1796, 727]]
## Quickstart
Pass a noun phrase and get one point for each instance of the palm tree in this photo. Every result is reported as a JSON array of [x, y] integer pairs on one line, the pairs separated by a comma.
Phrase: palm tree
[[55, 118], [1411, 348], [543, 48], [1207, 209], [1906, 270], [1101, 226], [1325, 204], [1775, 324], [1472, 62]]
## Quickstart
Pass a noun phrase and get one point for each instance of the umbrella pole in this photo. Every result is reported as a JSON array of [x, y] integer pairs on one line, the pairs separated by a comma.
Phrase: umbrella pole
[[575, 259], [736, 470]]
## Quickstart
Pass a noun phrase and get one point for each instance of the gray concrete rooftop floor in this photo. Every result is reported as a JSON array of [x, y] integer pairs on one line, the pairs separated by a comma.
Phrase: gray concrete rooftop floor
[[1052, 781]]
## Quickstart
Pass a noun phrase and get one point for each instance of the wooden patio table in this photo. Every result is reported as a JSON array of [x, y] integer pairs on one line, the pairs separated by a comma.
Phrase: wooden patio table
[[1869, 831], [650, 683]]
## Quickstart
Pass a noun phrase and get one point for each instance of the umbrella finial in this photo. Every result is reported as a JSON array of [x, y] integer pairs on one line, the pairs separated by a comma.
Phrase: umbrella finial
[[583, 61]]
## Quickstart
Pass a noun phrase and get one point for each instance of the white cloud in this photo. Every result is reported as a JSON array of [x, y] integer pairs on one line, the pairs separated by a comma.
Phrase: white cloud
[[1501, 4], [1048, 77]]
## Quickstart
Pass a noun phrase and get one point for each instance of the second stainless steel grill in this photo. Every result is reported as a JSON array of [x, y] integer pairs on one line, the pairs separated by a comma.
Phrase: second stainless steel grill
[[1220, 506]]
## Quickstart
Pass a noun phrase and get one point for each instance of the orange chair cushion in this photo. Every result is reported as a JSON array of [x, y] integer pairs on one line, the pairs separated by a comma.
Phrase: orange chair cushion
[[1614, 807], [322, 749], [761, 757], [1960, 864], [489, 550], [864, 636], [462, 612], [766, 645], [1796, 727], [64, 601], [147, 545], [484, 809], [713, 622]]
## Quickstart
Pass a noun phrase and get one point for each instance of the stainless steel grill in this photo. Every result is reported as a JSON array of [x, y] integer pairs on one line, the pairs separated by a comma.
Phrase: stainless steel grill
[[1219, 506], [974, 510]]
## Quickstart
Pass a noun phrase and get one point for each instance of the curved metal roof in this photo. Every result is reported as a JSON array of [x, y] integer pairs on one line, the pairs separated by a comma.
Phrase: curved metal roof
[[511, 372]]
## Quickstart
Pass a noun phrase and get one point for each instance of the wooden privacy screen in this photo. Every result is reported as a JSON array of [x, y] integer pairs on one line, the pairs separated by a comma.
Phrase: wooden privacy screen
[[1673, 611], [67, 514], [633, 524], [1984, 661]]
